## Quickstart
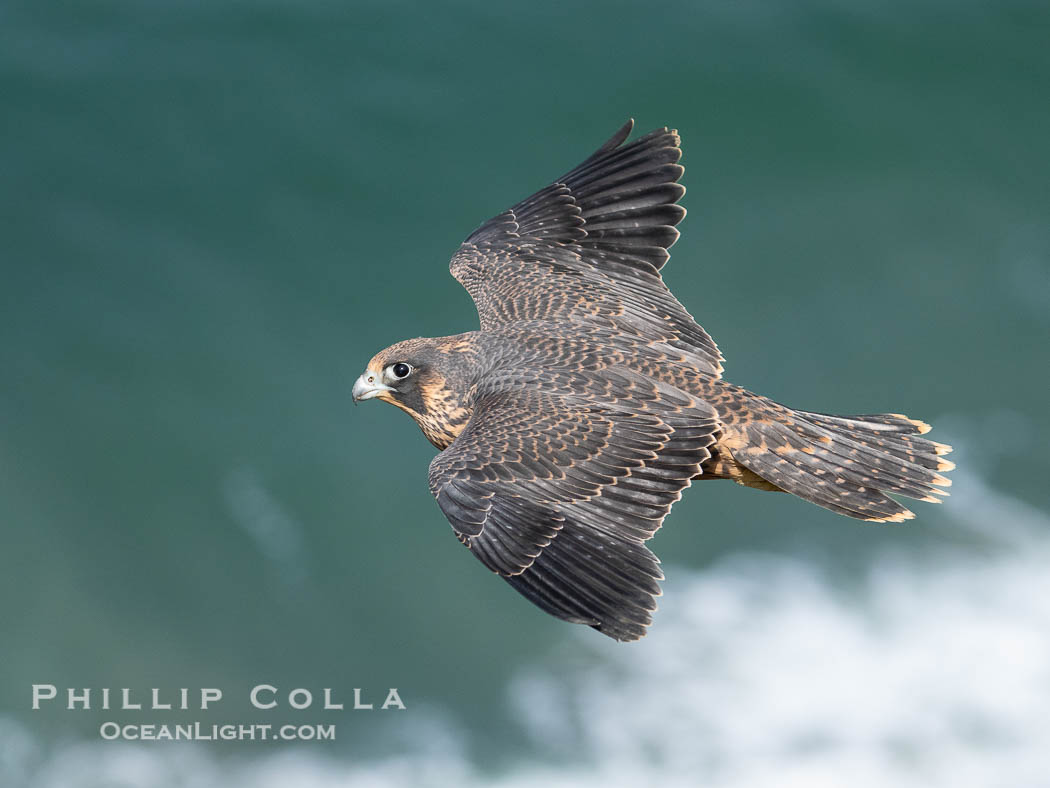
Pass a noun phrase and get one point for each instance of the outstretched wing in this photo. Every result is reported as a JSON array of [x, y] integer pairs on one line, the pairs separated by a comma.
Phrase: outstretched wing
[[589, 247], [558, 480]]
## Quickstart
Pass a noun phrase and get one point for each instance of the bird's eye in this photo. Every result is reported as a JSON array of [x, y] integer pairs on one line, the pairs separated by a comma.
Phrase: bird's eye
[[400, 370]]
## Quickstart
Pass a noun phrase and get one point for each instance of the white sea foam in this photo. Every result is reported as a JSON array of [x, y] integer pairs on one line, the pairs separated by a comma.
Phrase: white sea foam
[[934, 673], [931, 670]]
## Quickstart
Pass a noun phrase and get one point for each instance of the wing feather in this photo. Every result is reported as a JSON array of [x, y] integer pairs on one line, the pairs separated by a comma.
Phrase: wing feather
[[557, 488], [589, 248]]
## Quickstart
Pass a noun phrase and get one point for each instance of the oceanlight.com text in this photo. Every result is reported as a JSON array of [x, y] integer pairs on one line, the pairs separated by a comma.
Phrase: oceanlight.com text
[[197, 731]]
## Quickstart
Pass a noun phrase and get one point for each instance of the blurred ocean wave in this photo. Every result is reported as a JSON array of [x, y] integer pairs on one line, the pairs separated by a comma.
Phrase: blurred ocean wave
[[929, 669], [276, 534]]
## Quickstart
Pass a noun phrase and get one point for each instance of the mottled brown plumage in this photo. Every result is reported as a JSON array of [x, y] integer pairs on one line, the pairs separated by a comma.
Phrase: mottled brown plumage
[[590, 398]]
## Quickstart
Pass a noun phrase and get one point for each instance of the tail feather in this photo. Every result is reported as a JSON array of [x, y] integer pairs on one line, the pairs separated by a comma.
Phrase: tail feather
[[876, 422], [847, 464], [896, 437], [907, 465]]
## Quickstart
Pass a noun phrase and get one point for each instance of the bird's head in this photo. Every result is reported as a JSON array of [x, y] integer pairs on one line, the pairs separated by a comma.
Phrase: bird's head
[[428, 379], [399, 374]]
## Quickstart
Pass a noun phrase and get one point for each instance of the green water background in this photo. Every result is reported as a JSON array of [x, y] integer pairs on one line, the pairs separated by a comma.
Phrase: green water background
[[213, 213]]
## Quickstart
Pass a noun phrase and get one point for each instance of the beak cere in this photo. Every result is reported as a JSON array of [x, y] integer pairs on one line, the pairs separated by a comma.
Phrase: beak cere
[[368, 386]]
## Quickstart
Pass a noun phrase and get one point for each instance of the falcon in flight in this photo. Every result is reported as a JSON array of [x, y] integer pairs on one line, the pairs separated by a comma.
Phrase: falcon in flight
[[590, 399]]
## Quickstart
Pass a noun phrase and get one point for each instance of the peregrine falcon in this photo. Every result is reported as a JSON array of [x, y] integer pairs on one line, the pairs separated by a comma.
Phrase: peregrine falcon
[[571, 422]]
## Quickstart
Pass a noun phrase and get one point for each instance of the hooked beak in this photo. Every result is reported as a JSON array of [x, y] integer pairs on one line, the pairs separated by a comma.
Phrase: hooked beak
[[368, 386]]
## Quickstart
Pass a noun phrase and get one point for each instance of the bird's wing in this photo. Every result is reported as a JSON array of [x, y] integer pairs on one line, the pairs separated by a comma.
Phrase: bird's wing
[[560, 477], [589, 248]]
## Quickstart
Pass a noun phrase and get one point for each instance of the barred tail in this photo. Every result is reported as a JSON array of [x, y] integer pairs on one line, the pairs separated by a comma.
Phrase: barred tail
[[846, 464]]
